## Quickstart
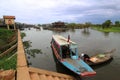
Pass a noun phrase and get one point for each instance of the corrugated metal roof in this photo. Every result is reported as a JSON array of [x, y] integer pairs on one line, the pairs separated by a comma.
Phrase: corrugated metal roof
[[61, 40]]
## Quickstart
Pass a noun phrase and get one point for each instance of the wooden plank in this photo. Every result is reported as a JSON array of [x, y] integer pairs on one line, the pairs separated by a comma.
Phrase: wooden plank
[[34, 76], [73, 62], [43, 77], [56, 78], [7, 74], [13, 78], [50, 73], [8, 50], [22, 68], [62, 78], [67, 79], [50, 78], [21, 59], [23, 74]]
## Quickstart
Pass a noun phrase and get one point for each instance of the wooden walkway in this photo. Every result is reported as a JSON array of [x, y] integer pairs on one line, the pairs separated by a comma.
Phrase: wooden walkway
[[29, 73]]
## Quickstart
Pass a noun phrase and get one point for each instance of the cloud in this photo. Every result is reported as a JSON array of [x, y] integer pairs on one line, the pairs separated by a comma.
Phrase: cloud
[[47, 11]]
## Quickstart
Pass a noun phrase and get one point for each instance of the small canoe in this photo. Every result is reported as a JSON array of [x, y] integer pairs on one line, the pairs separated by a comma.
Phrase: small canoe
[[100, 58]]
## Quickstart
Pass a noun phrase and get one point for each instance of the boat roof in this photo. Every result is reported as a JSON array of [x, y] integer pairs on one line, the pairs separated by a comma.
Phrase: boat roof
[[61, 40]]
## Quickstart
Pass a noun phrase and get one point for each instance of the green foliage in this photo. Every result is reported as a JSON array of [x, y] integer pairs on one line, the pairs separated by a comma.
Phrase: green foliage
[[23, 35], [87, 24], [5, 34], [37, 51], [117, 23], [106, 24], [33, 52], [75, 26], [7, 46], [27, 44], [111, 29], [10, 64], [39, 24], [6, 63]]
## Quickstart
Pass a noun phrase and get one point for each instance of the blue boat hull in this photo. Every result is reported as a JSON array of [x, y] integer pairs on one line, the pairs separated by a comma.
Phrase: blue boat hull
[[77, 66]]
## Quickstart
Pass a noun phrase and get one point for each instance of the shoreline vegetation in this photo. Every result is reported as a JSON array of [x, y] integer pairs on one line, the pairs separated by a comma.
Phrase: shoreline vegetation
[[106, 26], [110, 29], [7, 61], [98, 28]]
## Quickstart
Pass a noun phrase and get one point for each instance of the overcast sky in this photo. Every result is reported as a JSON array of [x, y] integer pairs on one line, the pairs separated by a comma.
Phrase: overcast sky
[[48, 11]]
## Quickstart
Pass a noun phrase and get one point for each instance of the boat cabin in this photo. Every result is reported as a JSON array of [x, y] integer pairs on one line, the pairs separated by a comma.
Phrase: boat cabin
[[65, 48]]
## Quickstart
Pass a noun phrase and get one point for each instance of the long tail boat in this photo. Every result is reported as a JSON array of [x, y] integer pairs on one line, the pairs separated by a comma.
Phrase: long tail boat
[[100, 58], [66, 52]]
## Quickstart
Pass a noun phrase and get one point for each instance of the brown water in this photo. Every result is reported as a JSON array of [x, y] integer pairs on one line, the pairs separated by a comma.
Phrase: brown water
[[90, 42]]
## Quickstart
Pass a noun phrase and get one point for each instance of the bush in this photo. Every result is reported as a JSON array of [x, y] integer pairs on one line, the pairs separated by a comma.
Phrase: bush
[[5, 35], [9, 64]]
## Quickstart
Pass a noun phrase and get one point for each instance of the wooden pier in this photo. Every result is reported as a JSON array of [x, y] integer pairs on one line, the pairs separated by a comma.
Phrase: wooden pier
[[29, 73]]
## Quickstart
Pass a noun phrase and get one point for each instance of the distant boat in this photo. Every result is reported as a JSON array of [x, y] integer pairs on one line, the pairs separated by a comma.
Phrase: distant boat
[[66, 52], [100, 58]]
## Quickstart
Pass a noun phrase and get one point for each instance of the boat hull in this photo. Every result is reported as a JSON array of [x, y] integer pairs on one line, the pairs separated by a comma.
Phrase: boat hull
[[96, 60], [74, 65]]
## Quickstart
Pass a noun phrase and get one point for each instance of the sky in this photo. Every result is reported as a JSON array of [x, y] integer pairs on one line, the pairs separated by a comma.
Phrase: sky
[[48, 11]]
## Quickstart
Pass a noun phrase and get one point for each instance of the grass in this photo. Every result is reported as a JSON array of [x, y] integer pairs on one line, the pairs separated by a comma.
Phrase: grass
[[5, 35], [6, 63], [9, 64], [111, 29]]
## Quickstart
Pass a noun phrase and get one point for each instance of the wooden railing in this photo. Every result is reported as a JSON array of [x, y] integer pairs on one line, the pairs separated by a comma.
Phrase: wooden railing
[[8, 50], [22, 68]]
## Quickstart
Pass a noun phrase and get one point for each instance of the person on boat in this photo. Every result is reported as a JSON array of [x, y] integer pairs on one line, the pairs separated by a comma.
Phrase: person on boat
[[85, 57], [65, 51]]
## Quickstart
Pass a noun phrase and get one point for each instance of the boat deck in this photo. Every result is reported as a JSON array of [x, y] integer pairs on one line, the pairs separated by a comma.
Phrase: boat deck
[[76, 63]]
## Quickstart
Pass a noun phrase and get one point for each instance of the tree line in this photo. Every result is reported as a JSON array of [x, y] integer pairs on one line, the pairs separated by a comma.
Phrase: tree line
[[105, 24], [108, 24]]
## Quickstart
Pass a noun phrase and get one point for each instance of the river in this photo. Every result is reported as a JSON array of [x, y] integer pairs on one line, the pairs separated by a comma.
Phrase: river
[[90, 42]]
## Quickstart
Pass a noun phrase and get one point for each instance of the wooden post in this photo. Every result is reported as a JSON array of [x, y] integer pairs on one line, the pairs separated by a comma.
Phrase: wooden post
[[8, 27], [14, 27]]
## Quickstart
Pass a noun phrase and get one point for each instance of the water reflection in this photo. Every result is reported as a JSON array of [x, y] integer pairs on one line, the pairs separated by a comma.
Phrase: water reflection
[[72, 30], [31, 52], [27, 44], [106, 34], [58, 32], [86, 32], [89, 41]]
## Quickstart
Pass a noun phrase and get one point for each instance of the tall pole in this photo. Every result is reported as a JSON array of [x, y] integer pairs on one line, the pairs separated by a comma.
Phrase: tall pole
[[8, 26], [14, 27]]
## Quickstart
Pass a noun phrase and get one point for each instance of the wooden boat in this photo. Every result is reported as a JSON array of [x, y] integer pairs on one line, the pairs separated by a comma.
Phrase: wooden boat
[[66, 52], [100, 58]]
